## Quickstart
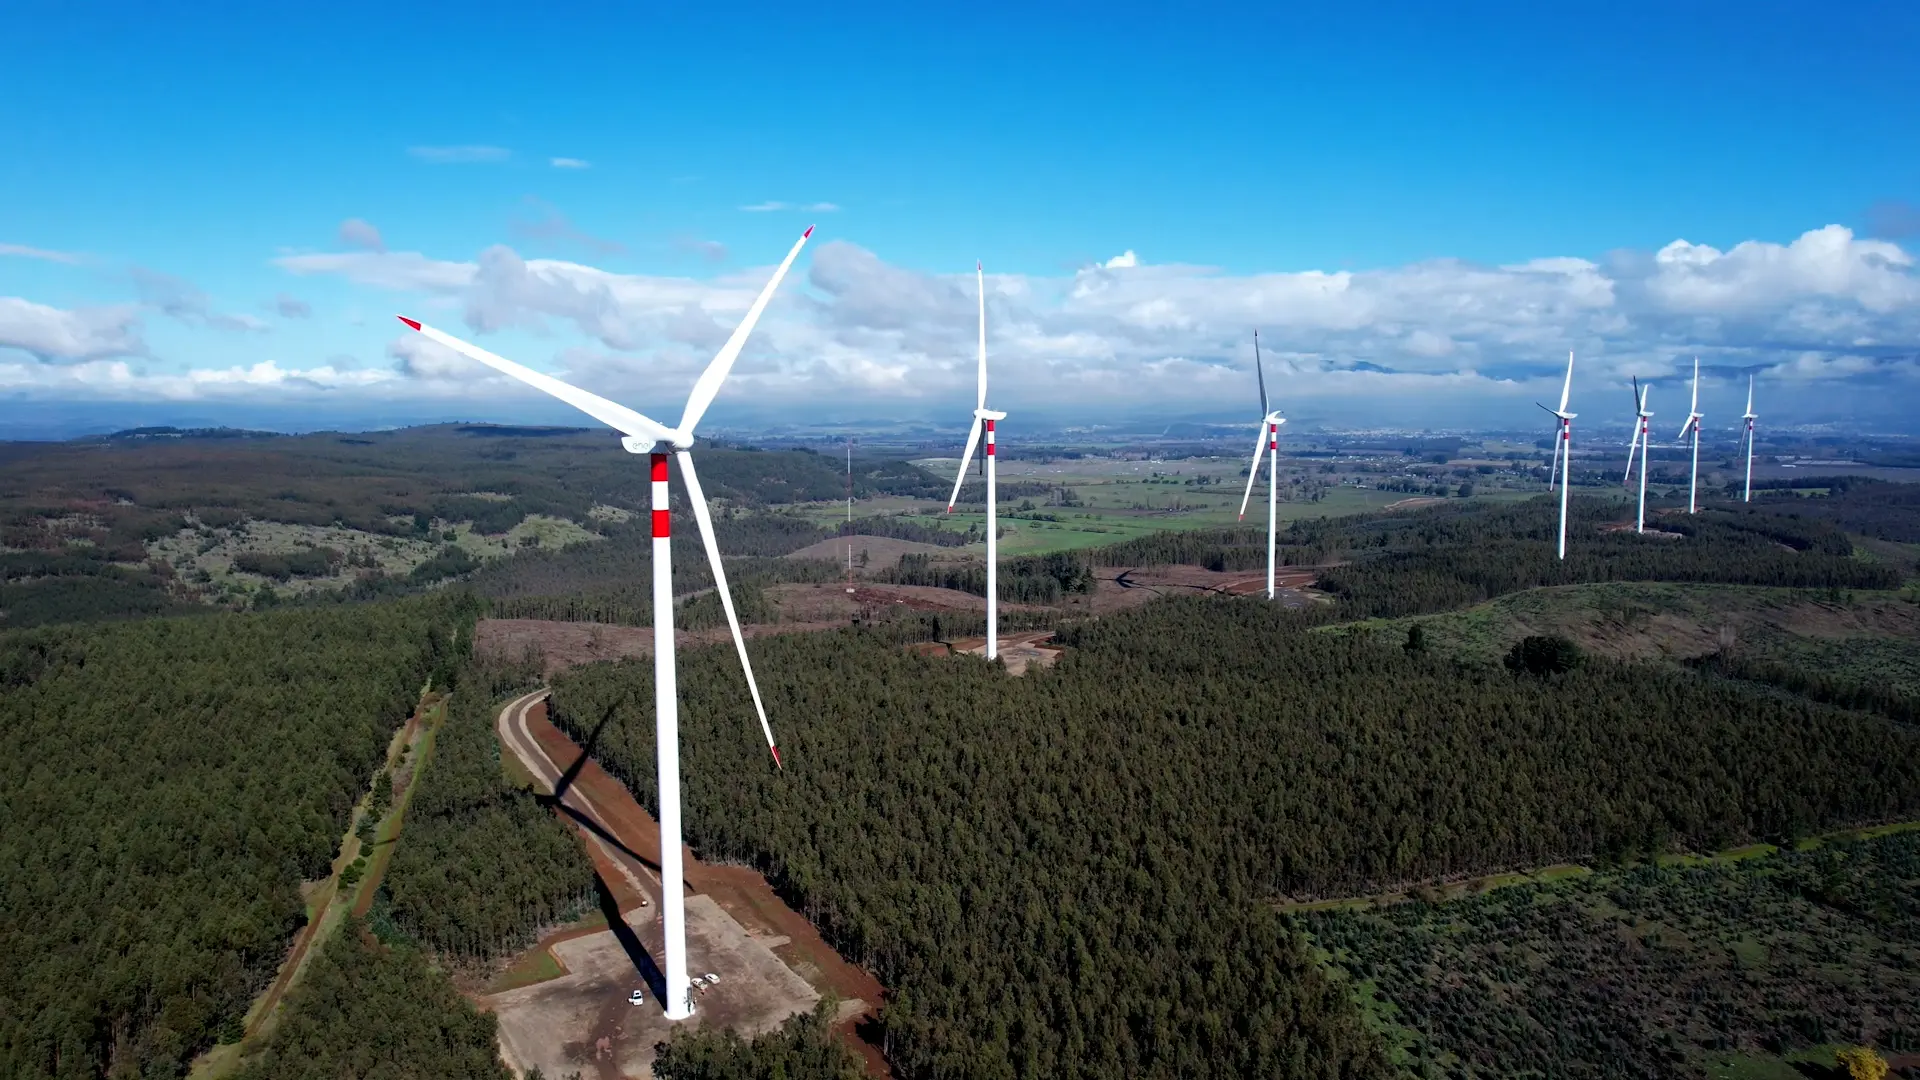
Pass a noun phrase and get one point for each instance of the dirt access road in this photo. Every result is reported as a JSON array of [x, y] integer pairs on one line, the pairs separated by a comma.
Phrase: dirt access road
[[773, 962]]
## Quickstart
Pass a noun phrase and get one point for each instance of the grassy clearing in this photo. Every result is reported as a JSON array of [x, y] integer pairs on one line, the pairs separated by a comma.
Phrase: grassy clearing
[[537, 966], [1871, 637]]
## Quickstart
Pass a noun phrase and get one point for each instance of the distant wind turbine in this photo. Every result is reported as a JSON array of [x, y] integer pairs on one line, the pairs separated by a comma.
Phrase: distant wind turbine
[[1749, 417], [984, 415], [1563, 451], [645, 436], [1692, 427], [1643, 440], [1266, 441]]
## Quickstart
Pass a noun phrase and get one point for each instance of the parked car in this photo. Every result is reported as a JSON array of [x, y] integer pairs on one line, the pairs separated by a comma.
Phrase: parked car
[[636, 998]]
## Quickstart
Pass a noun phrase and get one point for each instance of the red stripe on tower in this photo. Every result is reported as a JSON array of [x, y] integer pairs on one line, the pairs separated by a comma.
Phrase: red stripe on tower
[[990, 438], [659, 468], [661, 525]]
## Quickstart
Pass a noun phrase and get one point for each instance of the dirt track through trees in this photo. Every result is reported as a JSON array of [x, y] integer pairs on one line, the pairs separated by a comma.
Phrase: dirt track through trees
[[625, 847]]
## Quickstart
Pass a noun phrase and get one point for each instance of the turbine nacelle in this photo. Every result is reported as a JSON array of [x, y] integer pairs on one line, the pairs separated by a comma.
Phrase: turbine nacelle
[[988, 414]]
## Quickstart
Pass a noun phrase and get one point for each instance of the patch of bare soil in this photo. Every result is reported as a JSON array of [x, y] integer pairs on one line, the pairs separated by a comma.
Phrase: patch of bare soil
[[1019, 651], [1415, 503], [882, 551], [1117, 589], [1651, 534]]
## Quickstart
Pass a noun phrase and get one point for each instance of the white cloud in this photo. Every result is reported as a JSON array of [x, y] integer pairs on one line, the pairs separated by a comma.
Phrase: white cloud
[[1429, 335], [57, 336], [458, 155], [569, 163], [358, 233], [119, 380], [22, 251]]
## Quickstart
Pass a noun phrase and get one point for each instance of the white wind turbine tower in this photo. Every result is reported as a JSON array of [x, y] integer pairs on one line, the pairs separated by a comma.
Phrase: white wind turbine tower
[[1749, 417], [1267, 440], [1643, 440], [984, 415], [1563, 452], [645, 436], [1692, 427]]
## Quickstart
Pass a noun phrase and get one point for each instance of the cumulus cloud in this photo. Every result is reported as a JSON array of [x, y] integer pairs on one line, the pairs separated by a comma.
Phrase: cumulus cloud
[[56, 336], [811, 208], [458, 155], [569, 163], [358, 233], [1827, 306], [181, 299], [21, 251]]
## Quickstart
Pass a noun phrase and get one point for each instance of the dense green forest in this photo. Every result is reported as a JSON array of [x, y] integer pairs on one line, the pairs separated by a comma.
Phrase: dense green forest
[[167, 786], [1655, 971], [1058, 875], [484, 863], [1026, 579], [804, 1048], [372, 1011], [1876, 508]]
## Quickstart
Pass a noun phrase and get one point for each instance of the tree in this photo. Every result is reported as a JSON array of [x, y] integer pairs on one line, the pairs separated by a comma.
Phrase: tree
[[1543, 654], [1416, 639], [1863, 1063]]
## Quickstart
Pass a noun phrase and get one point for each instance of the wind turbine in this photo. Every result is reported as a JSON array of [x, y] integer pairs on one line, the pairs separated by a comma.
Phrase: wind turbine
[[1563, 452], [982, 414], [644, 436], [1643, 441], [1692, 427], [1266, 440], [1749, 417]]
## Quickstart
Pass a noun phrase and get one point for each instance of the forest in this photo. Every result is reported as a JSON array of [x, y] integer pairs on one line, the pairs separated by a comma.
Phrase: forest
[[75, 518], [1119, 817], [372, 1010], [484, 862], [169, 784]]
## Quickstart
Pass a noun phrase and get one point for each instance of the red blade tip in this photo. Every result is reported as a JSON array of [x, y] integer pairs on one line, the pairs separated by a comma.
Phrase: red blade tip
[[808, 233], [408, 321], [776, 757]]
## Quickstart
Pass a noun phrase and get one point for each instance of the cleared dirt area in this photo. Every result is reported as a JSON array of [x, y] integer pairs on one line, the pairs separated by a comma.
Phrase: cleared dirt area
[[882, 551], [1117, 589], [743, 924], [1019, 652], [802, 609], [1415, 503]]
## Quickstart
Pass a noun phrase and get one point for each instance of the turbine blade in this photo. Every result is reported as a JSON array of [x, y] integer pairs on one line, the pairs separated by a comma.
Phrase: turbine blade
[[1550, 412], [709, 382], [1259, 447], [1265, 408], [1749, 395], [610, 413], [981, 277], [1631, 447], [1695, 407], [1566, 388], [973, 439], [704, 518], [1637, 400]]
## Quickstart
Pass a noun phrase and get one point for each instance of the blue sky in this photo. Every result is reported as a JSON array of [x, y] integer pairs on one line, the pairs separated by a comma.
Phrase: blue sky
[[169, 162]]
